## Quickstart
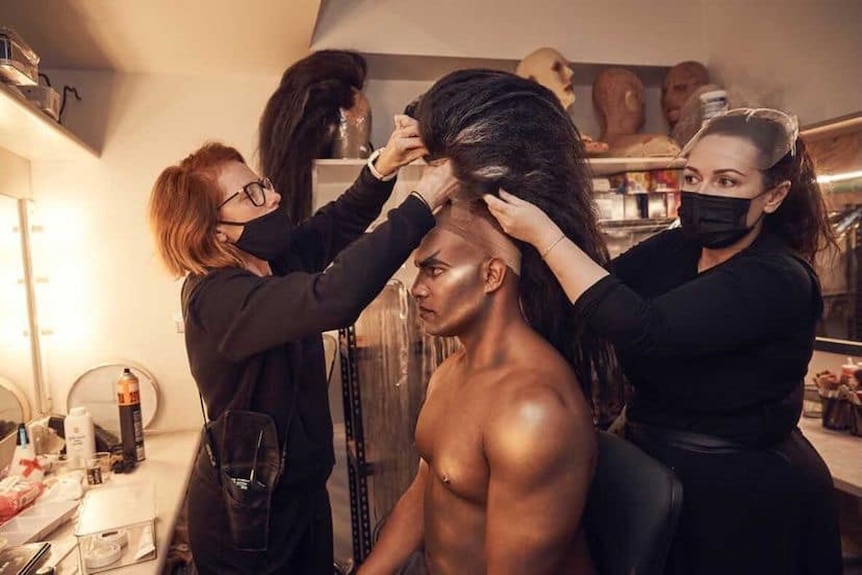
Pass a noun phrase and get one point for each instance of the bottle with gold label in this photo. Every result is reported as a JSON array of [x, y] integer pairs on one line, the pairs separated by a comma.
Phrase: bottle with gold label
[[131, 421]]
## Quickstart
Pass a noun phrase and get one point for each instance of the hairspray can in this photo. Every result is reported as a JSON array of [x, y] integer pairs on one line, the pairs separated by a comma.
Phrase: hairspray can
[[131, 421]]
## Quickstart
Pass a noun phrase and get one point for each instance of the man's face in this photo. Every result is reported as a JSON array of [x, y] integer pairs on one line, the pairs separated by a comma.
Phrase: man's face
[[449, 288]]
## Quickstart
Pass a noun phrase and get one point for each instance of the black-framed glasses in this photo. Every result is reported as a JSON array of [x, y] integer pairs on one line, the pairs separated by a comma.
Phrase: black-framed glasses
[[255, 191]]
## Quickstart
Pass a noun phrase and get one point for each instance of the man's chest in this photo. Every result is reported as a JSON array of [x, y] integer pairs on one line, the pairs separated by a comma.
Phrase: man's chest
[[449, 436]]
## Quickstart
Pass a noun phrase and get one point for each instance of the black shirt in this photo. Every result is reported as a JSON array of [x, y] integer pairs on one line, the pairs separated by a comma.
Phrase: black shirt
[[242, 329], [722, 352]]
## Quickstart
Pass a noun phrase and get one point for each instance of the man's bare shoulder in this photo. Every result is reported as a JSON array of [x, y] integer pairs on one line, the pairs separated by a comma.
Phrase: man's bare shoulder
[[537, 425]]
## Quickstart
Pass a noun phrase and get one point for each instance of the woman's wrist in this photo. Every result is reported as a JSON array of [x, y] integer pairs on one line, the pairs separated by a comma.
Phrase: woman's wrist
[[380, 167], [552, 245], [547, 238]]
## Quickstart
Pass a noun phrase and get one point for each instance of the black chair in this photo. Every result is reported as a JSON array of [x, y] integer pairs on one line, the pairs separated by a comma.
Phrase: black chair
[[632, 509]]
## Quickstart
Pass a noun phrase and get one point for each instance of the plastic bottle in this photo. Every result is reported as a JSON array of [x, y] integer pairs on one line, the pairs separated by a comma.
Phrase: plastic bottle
[[24, 461], [848, 370], [80, 437], [131, 420], [713, 103]]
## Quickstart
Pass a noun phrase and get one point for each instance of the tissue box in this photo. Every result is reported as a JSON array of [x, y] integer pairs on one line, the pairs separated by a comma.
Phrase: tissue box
[[116, 527]]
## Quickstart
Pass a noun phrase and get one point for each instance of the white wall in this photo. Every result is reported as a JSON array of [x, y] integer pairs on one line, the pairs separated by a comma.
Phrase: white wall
[[801, 55], [108, 298], [657, 32]]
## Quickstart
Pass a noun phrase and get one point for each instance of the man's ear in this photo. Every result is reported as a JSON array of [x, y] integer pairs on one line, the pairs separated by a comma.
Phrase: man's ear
[[775, 196], [495, 274]]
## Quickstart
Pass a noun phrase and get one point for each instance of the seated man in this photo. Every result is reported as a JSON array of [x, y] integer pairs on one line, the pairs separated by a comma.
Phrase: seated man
[[618, 97], [506, 432], [505, 435]]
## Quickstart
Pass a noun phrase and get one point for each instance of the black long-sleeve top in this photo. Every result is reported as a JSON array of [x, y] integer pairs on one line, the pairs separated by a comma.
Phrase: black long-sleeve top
[[723, 352], [241, 327]]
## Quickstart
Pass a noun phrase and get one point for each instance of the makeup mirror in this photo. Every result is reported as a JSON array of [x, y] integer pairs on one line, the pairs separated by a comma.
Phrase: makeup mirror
[[95, 389], [14, 409], [16, 341]]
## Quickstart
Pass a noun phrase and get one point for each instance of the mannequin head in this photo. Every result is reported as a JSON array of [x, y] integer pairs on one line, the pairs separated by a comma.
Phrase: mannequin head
[[353, 137], [679, 84], [618, 96], [550, 69]]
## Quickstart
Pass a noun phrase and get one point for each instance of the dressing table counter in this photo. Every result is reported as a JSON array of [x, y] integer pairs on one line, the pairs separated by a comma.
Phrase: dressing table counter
[[170, 458], [841, 451]]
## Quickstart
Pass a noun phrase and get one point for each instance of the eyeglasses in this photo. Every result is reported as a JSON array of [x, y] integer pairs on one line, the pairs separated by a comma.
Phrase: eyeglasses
[[255, 191]]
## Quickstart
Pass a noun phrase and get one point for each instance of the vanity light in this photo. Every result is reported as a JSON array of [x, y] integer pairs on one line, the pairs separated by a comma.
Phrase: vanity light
[[830, 178]]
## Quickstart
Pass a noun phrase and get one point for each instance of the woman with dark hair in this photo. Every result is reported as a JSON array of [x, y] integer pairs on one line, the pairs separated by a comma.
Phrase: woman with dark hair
[[258, 291], [502, 131], [299, 121], [714, 326]]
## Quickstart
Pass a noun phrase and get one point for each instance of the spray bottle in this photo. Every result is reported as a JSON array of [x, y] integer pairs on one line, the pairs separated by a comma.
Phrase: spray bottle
[[131, 420]]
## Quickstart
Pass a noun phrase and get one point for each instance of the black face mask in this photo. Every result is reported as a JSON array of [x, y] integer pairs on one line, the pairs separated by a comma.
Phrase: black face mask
[[267, 236], [714, 221]]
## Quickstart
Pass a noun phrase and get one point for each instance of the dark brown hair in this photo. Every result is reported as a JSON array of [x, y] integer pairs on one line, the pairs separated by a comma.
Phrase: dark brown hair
[[503, 131], [298, 123], [802, 219]]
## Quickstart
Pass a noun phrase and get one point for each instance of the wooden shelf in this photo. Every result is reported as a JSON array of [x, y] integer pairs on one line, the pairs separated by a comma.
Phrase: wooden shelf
[[609, 166], [343, 172], [30, 133]]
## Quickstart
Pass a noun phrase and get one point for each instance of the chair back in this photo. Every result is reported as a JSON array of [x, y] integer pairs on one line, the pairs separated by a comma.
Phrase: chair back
[[632, 509]]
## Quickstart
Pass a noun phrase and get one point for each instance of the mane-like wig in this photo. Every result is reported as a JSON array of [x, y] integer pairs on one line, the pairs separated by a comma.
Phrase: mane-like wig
[[298, 123], [502, 131]]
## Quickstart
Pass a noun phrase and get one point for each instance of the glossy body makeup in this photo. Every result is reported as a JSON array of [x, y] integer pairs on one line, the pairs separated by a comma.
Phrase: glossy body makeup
[[448, 287]]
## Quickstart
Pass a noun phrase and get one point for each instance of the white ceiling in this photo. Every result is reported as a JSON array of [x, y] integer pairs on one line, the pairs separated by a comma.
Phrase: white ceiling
[[169, 36]]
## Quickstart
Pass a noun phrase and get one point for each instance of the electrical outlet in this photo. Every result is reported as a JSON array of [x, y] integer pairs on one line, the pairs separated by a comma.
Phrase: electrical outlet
[[179, 325]]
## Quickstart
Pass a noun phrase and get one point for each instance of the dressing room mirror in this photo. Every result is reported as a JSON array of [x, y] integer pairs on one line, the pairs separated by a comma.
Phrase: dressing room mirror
[[95, 389], [14, 407], [17, 387], [836, 149]]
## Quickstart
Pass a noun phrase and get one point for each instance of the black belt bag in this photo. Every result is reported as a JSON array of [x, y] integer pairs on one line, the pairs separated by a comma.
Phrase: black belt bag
[[244, 449]]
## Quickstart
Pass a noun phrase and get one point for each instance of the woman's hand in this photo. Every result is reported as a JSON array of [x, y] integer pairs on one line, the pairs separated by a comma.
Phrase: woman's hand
[[522, 220], [437, 184], [403, 146]]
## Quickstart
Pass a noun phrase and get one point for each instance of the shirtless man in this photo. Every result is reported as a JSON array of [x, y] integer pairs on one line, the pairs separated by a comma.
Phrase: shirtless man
[[505, 435]]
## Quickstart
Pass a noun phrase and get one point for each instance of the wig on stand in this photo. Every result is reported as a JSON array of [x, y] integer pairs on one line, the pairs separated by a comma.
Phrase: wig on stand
[[300, 120]]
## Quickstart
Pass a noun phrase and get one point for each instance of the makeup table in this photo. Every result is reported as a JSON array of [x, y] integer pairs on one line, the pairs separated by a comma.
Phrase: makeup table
[[170, 456], [841, 451]]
